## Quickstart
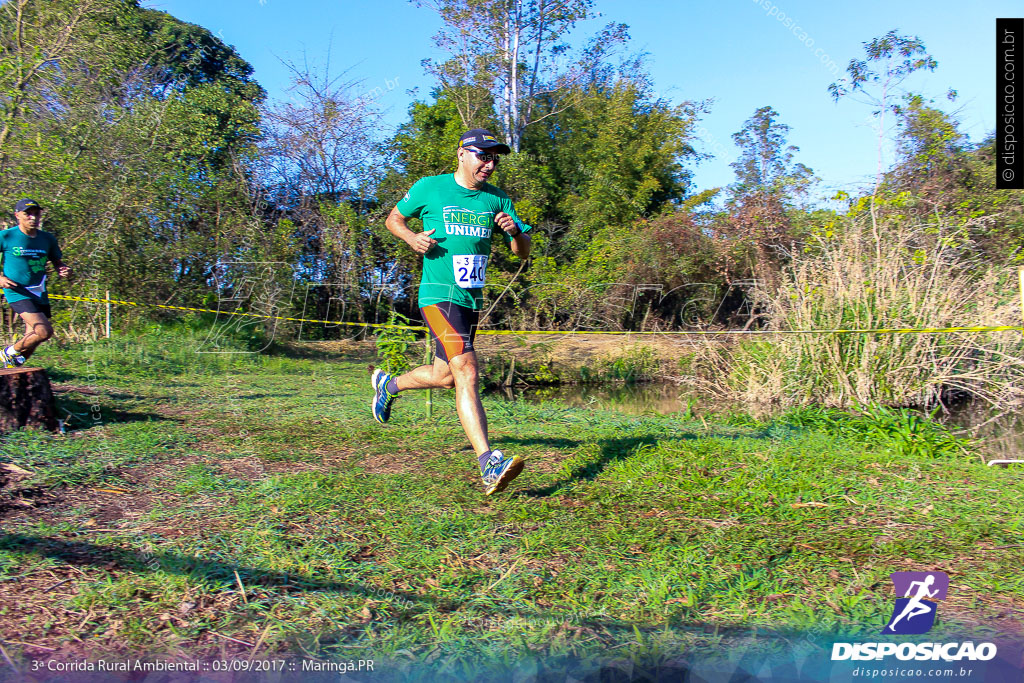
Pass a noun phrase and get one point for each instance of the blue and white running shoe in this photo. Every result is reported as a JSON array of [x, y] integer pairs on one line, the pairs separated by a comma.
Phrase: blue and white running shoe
[[500, 471], [11, 360], [382, 398]]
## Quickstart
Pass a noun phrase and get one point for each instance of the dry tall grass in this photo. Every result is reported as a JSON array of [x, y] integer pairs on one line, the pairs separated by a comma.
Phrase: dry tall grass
[[910, 277]]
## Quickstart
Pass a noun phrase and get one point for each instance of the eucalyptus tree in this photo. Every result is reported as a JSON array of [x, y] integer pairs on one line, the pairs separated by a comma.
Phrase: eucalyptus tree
[[507, 57]]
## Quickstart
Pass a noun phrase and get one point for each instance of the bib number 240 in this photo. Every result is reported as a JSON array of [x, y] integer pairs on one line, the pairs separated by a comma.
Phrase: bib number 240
[[470, 271]]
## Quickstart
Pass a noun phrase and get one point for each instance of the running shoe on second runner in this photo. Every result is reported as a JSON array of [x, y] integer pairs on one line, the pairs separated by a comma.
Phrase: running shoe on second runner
[[10, 361], [14, 356]]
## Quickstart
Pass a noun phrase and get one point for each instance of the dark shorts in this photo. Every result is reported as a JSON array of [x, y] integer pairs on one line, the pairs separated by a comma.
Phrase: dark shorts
[[30, 306], [452, 326]]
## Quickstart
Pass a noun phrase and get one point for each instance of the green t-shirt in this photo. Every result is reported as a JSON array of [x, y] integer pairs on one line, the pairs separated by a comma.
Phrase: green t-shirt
[[25, 262], [463, 220]]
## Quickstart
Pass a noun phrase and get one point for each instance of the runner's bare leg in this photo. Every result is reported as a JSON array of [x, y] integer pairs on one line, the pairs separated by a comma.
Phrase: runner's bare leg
[[462, 373], [37, 330], [436, 376], [467, 400]]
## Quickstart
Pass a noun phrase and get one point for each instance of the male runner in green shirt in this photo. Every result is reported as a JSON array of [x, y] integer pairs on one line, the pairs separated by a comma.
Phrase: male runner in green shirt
[[25, 250], [459, 214]]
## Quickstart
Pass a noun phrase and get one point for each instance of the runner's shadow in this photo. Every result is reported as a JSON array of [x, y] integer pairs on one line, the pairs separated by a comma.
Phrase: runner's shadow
[[612, 450]]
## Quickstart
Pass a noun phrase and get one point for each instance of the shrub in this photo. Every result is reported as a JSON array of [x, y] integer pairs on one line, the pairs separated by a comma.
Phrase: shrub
[[394, 343], [906, 277]]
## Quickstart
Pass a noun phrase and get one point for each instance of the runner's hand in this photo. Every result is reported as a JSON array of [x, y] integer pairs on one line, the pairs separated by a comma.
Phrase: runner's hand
[[64, 271], [422, 242], [507, 223], [7, 282]]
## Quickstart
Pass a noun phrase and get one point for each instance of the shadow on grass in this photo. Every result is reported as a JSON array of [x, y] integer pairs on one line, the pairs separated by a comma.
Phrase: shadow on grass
[[81, 415], [59, 375], [78, 553], [740, 653], [762, 645], [612, 450], [540, 441]]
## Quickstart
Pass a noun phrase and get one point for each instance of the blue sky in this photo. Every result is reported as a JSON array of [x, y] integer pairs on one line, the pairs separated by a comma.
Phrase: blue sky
[[742, 54]]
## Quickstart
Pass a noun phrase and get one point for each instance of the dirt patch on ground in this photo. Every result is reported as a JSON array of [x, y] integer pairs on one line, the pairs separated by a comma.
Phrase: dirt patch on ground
[[108, 508], [388, 464], [99, 506], [34, 611], [42, 626], [65, 388], [326, 461], [547, 462], [15, 493]]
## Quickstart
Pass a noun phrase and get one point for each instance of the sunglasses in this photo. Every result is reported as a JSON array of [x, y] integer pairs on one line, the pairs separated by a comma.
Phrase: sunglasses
[[484, 157]]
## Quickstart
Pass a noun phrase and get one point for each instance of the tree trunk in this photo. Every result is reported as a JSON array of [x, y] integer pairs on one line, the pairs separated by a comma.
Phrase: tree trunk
[[515, 132], [506, 90], [26, 400]]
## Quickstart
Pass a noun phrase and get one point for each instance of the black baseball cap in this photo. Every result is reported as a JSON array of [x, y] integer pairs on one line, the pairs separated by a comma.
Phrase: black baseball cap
[[26, 204], [483, 139]]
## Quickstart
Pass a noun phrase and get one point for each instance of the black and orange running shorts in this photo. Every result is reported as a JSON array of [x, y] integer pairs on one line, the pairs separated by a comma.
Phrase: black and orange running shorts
[[452, 326]]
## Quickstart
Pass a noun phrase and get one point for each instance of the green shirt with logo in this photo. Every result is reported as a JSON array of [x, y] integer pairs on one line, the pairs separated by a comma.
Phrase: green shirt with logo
[[463, 222], [25, 262]]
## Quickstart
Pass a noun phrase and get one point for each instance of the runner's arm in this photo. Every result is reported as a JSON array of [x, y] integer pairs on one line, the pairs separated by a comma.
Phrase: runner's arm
[[4, 280], [56, 257], [520, 240], [521, 244], [420, 242]]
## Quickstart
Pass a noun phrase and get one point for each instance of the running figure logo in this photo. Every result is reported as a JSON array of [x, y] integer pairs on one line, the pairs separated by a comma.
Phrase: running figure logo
[[914, 613]]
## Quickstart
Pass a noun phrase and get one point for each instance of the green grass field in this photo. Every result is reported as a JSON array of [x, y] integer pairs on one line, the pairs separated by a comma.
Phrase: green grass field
[[247, 505]]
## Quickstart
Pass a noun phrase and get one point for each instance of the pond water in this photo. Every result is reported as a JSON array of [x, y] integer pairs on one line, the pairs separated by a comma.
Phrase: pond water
[[1001, 434]]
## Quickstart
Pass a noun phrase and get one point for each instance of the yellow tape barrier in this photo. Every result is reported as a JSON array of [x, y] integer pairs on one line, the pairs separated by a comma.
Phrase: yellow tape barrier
[[1021, 274], [420, 328], [211, 310]]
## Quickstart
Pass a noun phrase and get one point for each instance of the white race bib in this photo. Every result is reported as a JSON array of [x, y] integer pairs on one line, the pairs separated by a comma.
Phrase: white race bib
[[470, 271]]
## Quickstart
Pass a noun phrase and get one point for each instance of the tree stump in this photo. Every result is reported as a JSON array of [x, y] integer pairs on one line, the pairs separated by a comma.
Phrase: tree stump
[[26, 400]]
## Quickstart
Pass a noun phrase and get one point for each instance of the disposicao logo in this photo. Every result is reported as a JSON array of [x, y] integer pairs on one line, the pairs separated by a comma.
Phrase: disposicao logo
[[914, 614]]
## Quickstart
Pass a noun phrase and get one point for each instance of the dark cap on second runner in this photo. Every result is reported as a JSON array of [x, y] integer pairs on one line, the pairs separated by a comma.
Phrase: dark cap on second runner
[[26, 204], [483, 139]]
